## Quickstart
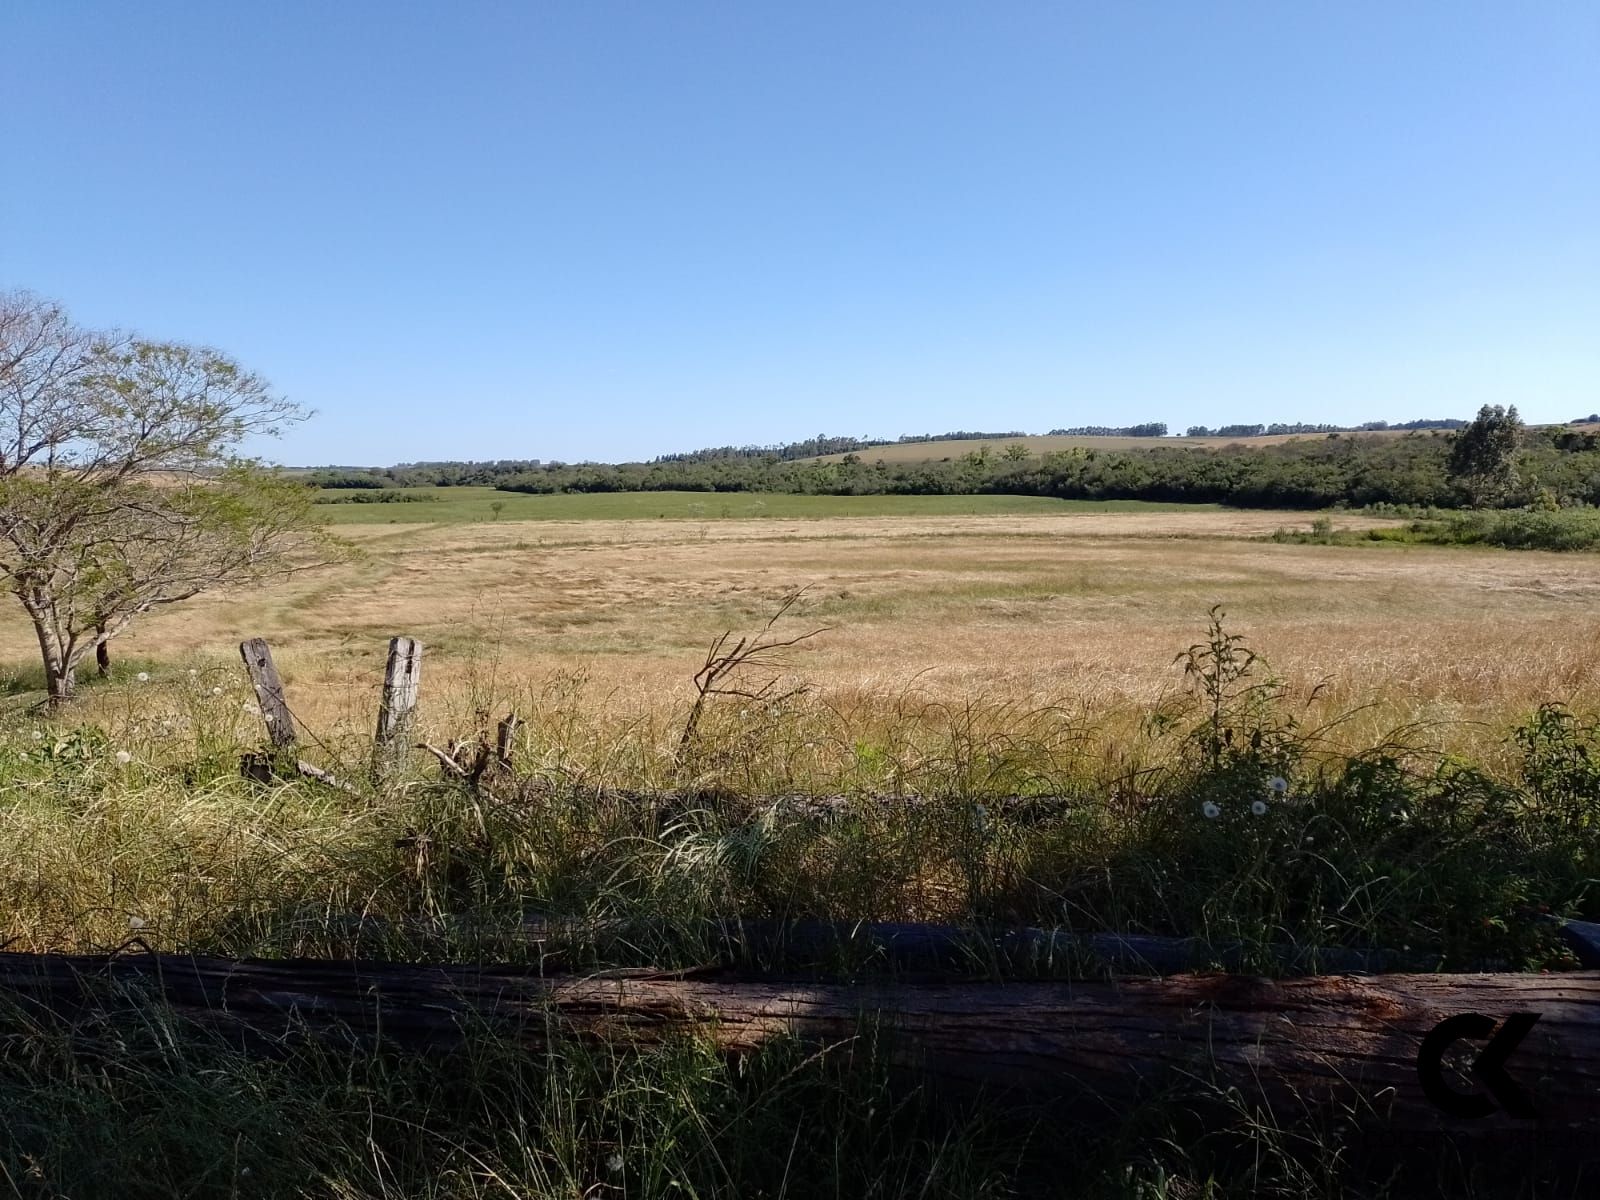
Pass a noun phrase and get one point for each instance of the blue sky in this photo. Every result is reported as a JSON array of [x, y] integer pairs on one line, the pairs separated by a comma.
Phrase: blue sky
[[606, 230]]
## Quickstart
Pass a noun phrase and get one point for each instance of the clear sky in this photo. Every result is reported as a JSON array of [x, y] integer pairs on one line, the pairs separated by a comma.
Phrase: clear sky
[[605, 230]]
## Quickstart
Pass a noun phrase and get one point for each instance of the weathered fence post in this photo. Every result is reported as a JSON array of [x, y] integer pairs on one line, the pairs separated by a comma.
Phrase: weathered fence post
[[265, 767], [506, 740], [402, 676], [269, 692]]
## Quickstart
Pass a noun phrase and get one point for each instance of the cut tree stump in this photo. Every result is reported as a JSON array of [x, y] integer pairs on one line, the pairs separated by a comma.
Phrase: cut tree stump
[[1292, 1046]]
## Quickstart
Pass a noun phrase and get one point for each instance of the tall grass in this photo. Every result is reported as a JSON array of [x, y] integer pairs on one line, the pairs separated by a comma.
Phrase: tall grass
[[1221, 815], [1217, 814]]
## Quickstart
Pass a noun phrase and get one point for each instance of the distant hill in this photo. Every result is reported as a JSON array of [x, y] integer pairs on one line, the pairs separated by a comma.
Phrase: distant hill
[[901, 452]]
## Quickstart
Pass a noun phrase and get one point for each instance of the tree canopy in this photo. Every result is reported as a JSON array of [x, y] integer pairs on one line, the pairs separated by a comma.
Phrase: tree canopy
[[1483, 457], [122, 482]]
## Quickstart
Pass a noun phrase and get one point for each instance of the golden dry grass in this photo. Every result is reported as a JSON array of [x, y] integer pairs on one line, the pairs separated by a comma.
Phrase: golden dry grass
[[1082, 609]]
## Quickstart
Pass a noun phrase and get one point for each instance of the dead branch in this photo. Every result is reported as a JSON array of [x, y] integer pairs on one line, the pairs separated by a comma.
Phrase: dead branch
[[729, 662]]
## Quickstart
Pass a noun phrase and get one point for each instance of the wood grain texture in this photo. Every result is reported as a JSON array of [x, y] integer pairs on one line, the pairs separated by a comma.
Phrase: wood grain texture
[[1293, 1045], [402, 682], [268, 686]]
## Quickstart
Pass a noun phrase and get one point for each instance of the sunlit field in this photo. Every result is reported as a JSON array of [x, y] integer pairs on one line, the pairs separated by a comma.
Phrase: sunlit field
[[1380, 778], [429, 505], [1081, 606]]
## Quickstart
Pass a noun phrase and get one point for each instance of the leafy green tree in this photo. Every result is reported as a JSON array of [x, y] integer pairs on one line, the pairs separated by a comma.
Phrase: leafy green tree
[[1483, 456], [122, 488]]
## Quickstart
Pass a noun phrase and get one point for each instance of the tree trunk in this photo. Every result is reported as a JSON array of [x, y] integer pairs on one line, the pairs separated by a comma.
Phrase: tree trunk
[[102, 652], [62, 684], [60, 677], [60, 663], [1291, 1046]]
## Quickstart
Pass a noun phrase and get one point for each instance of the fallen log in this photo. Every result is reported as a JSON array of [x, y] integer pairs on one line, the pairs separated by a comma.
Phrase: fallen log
[[1293, 1046]]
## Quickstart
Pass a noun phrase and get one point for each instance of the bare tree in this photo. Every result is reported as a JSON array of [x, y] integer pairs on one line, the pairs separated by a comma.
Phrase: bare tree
[[121, 485], [734, 667]]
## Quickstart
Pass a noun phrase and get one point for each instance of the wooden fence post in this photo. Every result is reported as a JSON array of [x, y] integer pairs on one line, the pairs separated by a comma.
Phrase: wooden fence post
[[506, 740], [402, 676], [269, 692]]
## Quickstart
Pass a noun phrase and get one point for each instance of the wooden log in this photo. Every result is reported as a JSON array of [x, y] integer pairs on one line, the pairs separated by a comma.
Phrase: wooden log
[[268, 685], [327, 778], [1291, 1046], [266, 768], [447, 762], [402, 678]]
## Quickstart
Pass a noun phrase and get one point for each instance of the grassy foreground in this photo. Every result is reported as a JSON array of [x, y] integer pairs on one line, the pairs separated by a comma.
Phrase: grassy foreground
[[1223, 815]]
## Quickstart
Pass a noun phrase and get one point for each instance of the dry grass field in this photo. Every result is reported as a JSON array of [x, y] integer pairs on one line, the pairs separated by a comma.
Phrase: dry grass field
[[1083, 610], [967, 661]]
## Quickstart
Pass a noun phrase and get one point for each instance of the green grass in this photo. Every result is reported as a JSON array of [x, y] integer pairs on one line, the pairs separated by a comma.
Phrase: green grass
[[465, 504]]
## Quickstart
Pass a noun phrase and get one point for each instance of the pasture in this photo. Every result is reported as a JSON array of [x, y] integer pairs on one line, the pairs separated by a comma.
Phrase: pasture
[[1407, 798], [430, 505], [1055, 604]]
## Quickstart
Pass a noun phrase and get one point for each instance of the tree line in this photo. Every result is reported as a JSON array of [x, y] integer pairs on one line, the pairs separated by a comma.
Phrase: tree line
[[1501, 466], [519, 472], [1278, 428], [1148, 429]]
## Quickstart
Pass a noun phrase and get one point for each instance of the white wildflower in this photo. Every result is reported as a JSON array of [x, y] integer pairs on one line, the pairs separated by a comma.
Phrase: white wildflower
[[193, 672], [124, 757], [135, 922], [216, 691], [1278, 784], [143, 676], [1259, 808], [37, 736], [1211, 809], [614, 1162]]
